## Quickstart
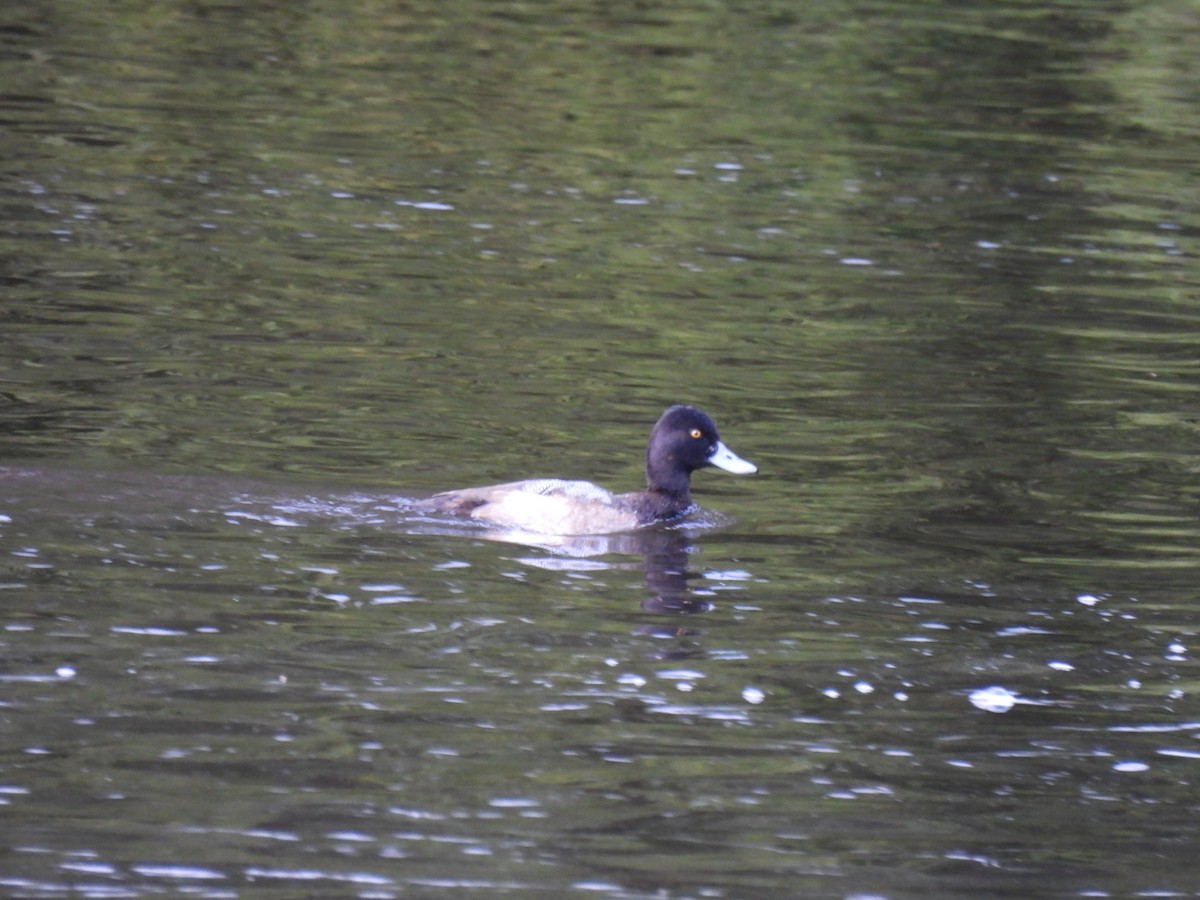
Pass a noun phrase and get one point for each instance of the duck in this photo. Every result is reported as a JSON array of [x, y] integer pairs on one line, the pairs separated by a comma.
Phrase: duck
[[683, 440]]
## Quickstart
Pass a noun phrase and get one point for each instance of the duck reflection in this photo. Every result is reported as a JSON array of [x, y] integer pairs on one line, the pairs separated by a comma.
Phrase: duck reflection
[[664, 551]]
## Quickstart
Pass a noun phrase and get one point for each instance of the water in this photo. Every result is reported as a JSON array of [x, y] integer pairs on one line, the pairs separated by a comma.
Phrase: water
[[272, 273]]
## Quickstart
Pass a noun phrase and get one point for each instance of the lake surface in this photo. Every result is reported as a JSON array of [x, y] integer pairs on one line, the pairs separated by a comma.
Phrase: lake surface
[[272, 272]]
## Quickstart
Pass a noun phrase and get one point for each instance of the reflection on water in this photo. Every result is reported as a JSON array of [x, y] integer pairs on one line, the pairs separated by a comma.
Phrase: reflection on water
[[369, 699], [662, 549]]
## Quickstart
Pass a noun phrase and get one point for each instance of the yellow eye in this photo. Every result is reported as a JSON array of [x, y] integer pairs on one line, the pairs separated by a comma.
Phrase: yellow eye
[[697, 433]]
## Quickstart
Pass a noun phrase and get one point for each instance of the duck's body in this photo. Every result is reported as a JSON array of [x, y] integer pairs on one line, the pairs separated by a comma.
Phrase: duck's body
[[684, 439]]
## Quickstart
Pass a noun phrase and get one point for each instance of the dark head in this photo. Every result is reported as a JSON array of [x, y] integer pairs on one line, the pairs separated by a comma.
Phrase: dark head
[[683, 440]]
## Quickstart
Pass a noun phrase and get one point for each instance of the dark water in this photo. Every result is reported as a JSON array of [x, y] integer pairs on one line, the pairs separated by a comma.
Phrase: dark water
[[270, 272]]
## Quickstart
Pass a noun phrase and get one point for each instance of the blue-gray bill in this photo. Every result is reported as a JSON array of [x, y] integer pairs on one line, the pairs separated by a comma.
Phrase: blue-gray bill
[[724, 458]]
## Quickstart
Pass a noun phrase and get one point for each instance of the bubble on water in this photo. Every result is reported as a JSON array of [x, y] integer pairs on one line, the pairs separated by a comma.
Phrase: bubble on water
[[994, 699], [1131, 766]]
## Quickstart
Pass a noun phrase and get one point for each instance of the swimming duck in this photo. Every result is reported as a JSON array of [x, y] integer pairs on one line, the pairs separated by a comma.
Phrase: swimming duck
[[684, 439]]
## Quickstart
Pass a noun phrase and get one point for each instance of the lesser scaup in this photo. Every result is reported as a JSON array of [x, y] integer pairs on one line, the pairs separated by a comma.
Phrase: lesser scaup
[[684, 439]]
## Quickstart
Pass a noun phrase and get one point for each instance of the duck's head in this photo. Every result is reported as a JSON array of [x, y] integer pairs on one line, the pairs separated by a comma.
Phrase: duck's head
[[683, 440]]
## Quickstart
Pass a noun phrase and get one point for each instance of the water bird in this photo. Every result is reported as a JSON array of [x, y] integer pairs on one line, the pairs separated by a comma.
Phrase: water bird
[[683, 440]]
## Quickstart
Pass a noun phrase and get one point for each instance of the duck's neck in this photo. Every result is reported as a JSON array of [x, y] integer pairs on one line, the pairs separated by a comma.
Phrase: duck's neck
[[669, 481]]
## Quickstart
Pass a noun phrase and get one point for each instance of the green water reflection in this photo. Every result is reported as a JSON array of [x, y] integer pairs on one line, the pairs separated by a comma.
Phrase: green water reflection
[[930, 265]]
